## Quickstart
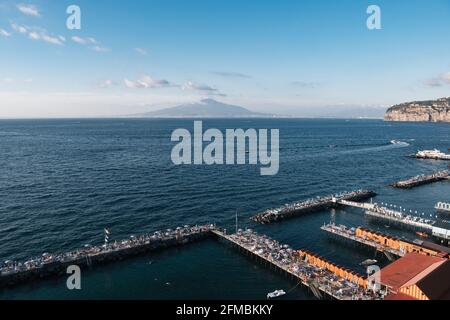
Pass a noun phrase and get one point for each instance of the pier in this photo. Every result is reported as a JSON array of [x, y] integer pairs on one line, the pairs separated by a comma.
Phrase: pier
[[422, 179], [13, 272], [323, 277], [386, 243], [350, 234], [309, 206], [398, 218], [438, 229]]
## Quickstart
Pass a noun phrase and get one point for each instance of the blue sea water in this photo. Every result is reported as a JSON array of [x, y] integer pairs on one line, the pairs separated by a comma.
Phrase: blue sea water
[[63, 181]]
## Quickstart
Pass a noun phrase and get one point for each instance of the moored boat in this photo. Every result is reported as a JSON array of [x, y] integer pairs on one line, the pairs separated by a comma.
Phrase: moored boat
[[275, 294]]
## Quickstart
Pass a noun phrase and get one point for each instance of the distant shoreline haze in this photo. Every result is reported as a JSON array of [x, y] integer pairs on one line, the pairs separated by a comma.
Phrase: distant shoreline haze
[[210, 108], [437, 110]]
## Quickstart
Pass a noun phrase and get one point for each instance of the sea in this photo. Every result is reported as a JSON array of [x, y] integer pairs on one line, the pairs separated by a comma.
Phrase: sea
[[64, 180]]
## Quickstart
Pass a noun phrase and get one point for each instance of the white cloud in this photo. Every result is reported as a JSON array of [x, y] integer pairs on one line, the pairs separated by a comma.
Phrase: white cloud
[[147, 82], [439, 81], [37, 33], [435, 82], [4, 33], [19, 29], [100, 49], [34, 35], [51, 40], [79, 40], [305, 84], [446, 77], [227, 74], [107, 83], [189, 85], [90, 41], [28, 9], [84, 41], [141, 51], [202, 88]]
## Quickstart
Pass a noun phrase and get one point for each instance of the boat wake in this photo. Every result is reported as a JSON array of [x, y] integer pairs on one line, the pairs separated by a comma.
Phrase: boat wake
[[393, 144], [333, 150]]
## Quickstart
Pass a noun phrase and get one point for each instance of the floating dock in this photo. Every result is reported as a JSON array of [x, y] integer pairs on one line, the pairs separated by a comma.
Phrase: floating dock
[[323, 277], [13, 273], [385, 243], [422, 179], [311, 205]]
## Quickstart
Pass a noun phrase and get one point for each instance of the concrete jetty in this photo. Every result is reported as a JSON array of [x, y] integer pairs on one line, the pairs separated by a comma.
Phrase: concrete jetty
[[13, 272], [311, 205], [422, 179]]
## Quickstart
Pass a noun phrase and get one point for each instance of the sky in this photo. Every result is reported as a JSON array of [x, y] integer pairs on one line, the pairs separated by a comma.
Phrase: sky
[[280, 57]]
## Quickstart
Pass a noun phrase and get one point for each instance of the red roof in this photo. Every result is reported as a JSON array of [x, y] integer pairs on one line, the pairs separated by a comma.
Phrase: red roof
[[409, 270], [399, 296]]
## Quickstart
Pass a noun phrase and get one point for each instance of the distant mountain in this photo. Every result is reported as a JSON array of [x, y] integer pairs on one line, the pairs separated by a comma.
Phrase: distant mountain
[[426, 111], [206, 108]]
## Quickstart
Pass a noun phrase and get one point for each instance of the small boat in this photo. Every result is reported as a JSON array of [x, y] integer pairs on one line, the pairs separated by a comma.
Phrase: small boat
[[275, 294], [368, 262], [442, 207], [399, 142], [422, 234], [432, 154]]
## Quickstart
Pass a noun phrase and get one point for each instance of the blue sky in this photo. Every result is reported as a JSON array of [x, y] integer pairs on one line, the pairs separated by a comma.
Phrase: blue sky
[[270, 56]]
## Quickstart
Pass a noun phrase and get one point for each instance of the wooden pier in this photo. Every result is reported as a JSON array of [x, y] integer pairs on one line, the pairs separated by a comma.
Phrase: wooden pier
[[386, 243], [356, 287], [349, 234]]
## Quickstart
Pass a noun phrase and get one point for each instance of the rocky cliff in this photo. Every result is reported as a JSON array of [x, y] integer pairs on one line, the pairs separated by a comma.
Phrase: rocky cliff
[[430, 111]]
